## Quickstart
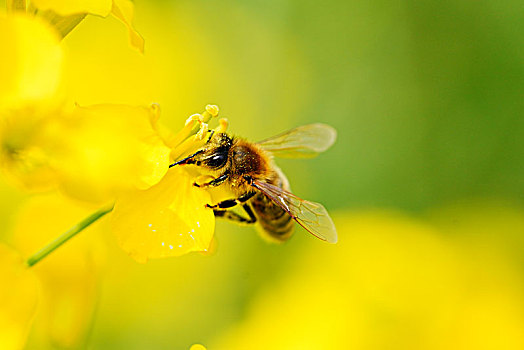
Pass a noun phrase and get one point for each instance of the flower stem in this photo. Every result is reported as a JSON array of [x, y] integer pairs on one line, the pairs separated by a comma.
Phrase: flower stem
[[57, 242]]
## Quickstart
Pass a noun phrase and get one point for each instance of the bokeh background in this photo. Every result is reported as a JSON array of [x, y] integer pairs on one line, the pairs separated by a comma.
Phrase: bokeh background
[[425, 182]]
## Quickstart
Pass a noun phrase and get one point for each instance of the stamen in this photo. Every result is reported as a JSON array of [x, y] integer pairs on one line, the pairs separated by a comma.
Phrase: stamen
[[155, 113], [193, 118], [223, 124], [187, 130], [196, 125], [213, 110], [204, 127]]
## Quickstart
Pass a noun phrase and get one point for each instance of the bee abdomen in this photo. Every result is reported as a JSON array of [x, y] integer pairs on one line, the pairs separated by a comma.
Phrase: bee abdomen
[[275, 223]]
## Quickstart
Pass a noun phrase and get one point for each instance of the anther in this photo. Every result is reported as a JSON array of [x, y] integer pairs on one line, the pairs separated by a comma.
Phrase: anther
[[212, 109]]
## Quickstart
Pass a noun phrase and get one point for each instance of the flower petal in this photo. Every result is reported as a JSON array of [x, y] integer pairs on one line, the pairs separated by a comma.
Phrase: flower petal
[[169, 219], [18, 299], [124, 11], [104, 149], [63, 24]]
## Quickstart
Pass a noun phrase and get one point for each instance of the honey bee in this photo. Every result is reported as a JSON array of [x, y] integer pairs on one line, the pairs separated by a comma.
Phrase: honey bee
[[260, 187]]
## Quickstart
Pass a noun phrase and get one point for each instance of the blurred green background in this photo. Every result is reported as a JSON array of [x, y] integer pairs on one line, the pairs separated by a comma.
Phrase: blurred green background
[[426, 96], [427, 100]]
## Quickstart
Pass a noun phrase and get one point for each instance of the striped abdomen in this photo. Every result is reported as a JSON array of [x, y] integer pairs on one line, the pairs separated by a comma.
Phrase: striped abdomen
[[274, 222]]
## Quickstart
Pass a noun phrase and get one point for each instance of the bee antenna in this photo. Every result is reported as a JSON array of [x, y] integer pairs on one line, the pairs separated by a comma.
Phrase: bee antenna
[[187, 160]]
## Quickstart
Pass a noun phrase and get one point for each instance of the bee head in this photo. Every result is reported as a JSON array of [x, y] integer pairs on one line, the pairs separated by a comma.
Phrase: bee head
[[214, 155], [215, 152]]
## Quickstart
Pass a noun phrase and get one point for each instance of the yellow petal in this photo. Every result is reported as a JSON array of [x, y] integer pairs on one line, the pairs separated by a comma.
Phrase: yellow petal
[[30, 64], [63, 24], [70, 7], [104, 149], [18, 299], [169, 219], [69, 276], [124, 11]]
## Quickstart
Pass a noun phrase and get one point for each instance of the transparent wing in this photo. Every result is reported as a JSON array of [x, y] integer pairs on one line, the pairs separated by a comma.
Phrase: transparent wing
[[303, 142], [311, 216]]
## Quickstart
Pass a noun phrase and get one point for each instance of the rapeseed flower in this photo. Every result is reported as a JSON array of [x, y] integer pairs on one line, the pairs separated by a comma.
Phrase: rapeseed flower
[[170, 218], [29, 96], [90, 152], [108, 149], [96, 154], [102, 152]]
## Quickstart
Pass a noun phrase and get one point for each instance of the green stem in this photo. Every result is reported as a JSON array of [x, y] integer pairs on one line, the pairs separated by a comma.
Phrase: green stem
[[57, 242]]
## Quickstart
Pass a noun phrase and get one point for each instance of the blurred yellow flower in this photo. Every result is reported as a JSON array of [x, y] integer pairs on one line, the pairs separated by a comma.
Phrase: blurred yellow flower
[[30, 94], [90, 152], [391, 283], [24, 159], [100, 151], [31, 63], [18, 299], [69, 277]]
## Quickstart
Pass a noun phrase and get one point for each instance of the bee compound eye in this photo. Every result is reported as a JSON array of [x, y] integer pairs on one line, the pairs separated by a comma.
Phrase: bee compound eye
[[217, 160]]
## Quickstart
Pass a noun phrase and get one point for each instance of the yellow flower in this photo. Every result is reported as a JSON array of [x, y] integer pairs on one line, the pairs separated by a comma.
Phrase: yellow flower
[[100, 151], [30, 64], [392, 283], [170, 218], [18, 299], [69, 277], [30, 93], [93, 152]]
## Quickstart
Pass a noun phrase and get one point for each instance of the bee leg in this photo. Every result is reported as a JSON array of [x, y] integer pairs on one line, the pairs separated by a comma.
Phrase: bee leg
[[229, 203], [215, 182], [202, 180], [230, 215]]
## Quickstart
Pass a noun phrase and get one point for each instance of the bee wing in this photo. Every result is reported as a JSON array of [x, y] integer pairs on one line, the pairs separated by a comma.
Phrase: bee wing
[[302, 142], [311, 216]]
